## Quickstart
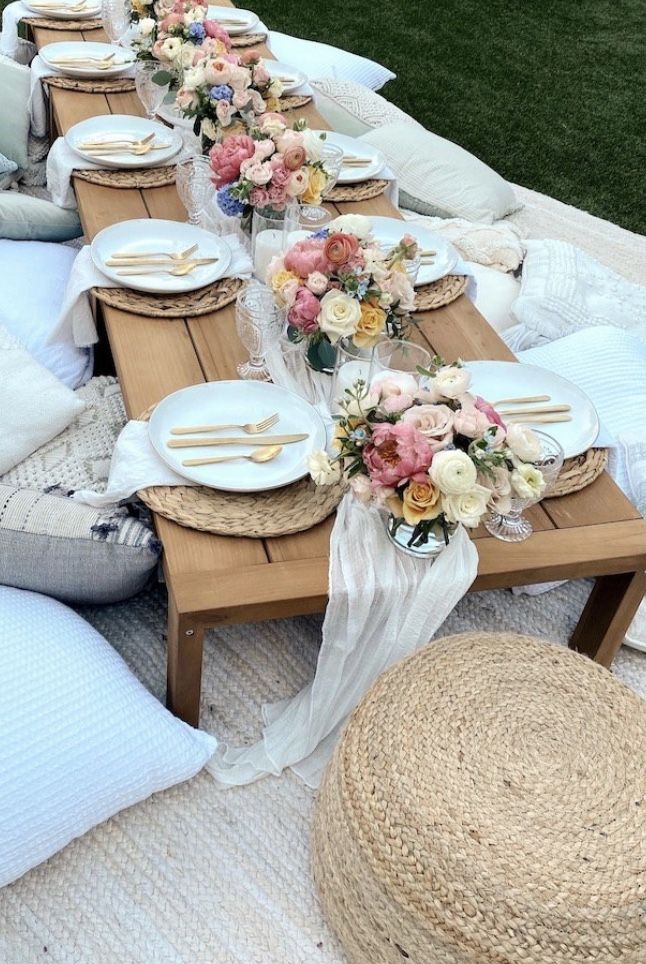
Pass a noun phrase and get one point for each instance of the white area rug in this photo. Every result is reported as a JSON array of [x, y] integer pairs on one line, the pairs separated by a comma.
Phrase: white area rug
[[201, 875]]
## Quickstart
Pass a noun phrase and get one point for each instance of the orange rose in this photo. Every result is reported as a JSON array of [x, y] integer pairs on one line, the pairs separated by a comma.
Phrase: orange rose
[[339, 248], [421, 501], [371, 325], [294, 158]]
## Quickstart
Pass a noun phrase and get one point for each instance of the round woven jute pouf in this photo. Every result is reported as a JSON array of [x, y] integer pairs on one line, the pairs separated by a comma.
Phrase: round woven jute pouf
[[45, 24], [119, 85], [293, 101], [277, 512], [486, 804], [248, 39], [579, 472], [364, 191], [188, 305], [136, 178], [440, 293]]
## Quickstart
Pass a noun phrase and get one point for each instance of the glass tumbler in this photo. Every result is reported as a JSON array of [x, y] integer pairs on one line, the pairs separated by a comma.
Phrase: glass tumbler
[[258, 323], [150, 93], [194, 185]]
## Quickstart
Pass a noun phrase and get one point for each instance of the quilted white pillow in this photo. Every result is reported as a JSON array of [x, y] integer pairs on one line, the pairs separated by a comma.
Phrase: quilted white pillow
[[439, 178], [81, 737], [35, 405], [322, 60]]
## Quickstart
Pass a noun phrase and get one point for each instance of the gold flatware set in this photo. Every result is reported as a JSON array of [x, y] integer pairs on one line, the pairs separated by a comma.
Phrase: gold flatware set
[[177, 264], [268, 447], [544, 414]]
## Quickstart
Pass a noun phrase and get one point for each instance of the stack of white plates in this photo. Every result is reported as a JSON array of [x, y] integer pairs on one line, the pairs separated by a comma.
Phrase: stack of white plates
[[73, 58], [391, 231], [124, 127], [64, 9]]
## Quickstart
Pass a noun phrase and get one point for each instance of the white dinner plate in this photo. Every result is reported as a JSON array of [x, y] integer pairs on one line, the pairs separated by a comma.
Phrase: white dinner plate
[[248, 19], [150, 234], [124, 58], [353, 146], [215, 403], [500, 379], [391, 230], [294, 78], [62, 12], [124, 127]]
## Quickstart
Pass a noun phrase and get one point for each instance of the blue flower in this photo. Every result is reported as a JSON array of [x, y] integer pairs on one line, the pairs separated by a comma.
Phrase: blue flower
[[221, 92], [321, 233], [230, 206], [196, 32]]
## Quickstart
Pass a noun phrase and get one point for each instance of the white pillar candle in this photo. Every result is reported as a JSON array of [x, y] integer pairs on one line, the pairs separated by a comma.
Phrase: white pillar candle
[[268, 244], [345, 377]]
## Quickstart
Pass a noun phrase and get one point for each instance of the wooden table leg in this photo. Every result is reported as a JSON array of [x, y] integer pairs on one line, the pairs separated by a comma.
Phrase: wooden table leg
[[184, 680], [607, 615]]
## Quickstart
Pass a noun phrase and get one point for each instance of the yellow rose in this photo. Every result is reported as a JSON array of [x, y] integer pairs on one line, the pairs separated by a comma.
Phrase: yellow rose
[[315, 187], [139, 7], [281, 278], [371, 324], [421, 501], [272, 104]]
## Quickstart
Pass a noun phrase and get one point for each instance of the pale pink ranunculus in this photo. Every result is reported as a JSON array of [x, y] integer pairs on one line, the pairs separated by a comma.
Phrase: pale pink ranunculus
[[484, 406], [317, 282], [258, 174], [260, 74], [289, 291], [396, 454], [264, 149], [240, 99], [305, 311], [224, 112], [294, 158], [298, 183], [435, 422], [186, 99], [470, 422], [227, 157], [240, 78], [289, 139], [306, 257], [156, 49], [396, 392]]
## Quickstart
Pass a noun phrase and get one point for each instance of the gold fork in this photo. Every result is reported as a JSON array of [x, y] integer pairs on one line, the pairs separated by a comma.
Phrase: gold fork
[[136, 256], [250, 428], [136, 142]]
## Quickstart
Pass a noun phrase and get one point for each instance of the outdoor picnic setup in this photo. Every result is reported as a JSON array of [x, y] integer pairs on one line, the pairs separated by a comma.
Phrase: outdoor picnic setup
[[322, 499]]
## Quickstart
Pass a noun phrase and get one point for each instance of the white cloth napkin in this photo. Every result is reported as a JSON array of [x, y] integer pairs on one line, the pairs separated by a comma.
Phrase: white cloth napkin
[[61, 161], [76, 321], [12, 14]]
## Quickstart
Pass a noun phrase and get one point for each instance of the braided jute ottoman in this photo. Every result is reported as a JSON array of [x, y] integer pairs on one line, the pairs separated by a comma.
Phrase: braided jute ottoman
[[487, 805]]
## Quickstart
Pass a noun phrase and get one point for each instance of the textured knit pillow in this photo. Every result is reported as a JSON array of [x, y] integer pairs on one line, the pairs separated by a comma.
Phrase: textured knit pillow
[[34, 405], [353, 109], [439, 178], [8, 170], [322, 60], [15, 84], [81, 737]]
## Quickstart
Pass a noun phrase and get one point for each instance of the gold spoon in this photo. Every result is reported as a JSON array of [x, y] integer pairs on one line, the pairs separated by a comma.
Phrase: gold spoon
[[263, 455], [179, 270]]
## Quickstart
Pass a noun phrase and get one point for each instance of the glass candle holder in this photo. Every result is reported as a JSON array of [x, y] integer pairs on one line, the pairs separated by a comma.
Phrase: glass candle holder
[[351, 364], [270, 230], [397, 357]]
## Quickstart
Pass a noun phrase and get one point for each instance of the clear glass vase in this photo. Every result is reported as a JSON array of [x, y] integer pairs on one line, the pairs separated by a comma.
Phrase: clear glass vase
[[270, 230], [351, 364], [421, 545]]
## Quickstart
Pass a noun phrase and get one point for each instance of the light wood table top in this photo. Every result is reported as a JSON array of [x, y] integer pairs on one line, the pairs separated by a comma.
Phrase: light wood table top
[[215, 579]]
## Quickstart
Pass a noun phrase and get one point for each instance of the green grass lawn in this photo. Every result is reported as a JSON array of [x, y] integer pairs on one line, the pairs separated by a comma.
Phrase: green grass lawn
[[550, 93]]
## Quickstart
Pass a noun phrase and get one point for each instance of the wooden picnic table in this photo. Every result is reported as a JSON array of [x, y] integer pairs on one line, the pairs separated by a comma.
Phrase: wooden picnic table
[[215, 580]]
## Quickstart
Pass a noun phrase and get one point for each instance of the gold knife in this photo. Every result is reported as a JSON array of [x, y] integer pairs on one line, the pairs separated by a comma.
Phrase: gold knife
[[185, 443]]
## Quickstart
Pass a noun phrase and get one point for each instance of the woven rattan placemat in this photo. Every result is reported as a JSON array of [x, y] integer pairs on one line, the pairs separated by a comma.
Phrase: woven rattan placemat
[[580, 471], [189, 304], [248, 39], [94, 85], [364, 191], [91, 24], [293, 101], [139, 177], [441, 292]]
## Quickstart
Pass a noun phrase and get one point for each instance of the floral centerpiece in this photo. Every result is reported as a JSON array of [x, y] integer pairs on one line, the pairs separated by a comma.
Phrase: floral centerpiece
[[340, 284], [268, 167], [430, 452], [224, 92]]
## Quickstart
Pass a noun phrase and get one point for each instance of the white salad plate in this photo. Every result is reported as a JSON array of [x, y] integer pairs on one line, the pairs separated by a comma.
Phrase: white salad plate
[[352, 146], [150, 234], [61, 10], [237, 402], [124, 127], [171, 114], [500, 379], [391, 231], [124, 58], [248, 19], [294, 78]]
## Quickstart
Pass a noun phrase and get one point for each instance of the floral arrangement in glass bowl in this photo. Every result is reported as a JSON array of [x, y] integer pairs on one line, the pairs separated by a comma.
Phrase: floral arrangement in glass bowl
[[269, 166], [225, 93], [430, 453], [339, 283], [169, 33]]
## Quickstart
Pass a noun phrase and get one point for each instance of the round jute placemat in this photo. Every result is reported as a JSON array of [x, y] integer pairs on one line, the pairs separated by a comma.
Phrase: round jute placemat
[[579, 472], [138, 177], [45, 24], [277, 512], [441, 292], [487, 803], [94, 85], [357, 192], [293, 101], [248, 39], [190, 304]]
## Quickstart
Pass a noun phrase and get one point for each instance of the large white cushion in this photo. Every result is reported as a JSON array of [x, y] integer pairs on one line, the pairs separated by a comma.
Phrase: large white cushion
[[36, 274], [496, 292], [439, 178], [322, 60], [25, 218], [353, 109], [81, 737], [34, 405], [14, 114]]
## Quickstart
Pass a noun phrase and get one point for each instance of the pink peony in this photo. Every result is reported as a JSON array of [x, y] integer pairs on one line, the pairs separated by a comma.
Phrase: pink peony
[[213, 30], [259, 197], [280, 176], [396, 392], [396, 454], [306, 257], [277, 196], [304, 312], [227, 157]]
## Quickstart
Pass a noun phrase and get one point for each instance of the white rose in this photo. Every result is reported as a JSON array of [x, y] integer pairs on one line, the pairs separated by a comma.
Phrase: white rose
[[450, 382], [322, 469], [188, 50], [453, 472], [146, 26], [468, 508], [357, 224], [340, 315], [171, 49], [194, 77], [523, 443], [313, 145], [527, 482], [209, 129]]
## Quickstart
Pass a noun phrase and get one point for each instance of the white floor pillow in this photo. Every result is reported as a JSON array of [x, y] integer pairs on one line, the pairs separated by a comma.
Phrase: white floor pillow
[[33, 277], [495, 294], [15, 83], [440, 178], [322, 60], [34, 405], [353, 109], [81, 737]]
